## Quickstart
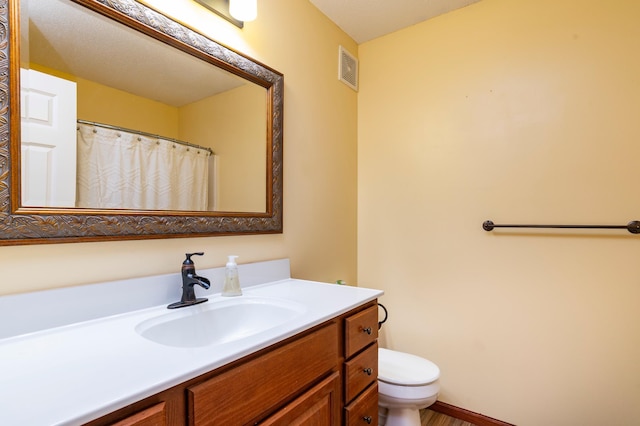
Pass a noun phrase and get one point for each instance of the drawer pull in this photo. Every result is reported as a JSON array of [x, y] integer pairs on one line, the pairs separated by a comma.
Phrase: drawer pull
[[368, 371], [367, 330], [367, 419]]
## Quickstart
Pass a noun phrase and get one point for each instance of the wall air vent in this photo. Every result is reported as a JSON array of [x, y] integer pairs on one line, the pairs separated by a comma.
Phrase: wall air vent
[[347, 68]]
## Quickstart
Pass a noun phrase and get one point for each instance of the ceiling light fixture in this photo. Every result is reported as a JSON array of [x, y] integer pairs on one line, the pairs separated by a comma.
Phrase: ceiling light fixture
[[244, 10], [221, 8]]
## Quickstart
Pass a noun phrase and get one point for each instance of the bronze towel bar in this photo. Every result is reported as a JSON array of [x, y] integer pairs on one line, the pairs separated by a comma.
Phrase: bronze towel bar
[[633, 226]]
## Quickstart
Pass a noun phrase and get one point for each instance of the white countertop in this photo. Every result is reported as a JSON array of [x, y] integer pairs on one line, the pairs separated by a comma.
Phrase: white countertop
[[75, 373]]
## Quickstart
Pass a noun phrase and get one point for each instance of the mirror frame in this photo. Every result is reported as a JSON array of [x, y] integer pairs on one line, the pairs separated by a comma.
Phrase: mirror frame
[[29, 225]]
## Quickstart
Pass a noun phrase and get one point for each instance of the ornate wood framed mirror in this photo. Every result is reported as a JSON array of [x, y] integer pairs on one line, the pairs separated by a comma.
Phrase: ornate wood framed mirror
[[24, 221]]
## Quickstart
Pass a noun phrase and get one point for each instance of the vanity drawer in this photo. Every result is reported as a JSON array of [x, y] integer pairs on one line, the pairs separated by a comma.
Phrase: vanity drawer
[[360, 330], [244, 393], [364, 410], [360, 372]]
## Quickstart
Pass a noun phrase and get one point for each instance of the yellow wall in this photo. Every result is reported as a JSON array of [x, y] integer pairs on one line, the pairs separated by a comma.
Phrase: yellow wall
[[521, 112], [233, 124], [319, 162], [103, 104]]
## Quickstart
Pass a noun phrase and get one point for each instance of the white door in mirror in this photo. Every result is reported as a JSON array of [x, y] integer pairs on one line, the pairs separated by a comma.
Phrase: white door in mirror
[[48, 126]]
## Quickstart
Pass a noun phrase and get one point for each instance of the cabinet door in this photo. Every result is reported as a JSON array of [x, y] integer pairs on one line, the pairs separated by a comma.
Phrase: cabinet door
[[152, 416], [246, 392], [317, 407]]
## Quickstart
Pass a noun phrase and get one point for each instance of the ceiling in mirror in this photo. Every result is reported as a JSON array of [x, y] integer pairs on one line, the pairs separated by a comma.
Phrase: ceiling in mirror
[[208, 96]]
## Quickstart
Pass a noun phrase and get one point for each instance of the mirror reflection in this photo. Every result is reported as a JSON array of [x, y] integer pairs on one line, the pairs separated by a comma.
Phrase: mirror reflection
[[114, 119]]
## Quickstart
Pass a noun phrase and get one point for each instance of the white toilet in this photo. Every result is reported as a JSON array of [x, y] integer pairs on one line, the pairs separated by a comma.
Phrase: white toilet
[[406, 384]]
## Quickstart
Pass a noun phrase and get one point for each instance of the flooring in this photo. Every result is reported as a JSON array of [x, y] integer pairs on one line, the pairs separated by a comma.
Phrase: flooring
[[432, 418]]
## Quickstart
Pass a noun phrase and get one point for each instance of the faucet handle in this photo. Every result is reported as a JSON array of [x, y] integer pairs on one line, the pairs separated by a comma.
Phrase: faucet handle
[[188, 260]]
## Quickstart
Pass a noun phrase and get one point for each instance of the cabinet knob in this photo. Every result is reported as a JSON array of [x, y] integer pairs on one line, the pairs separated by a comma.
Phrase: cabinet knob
[[367, 419], [367, 330], [368, 371]]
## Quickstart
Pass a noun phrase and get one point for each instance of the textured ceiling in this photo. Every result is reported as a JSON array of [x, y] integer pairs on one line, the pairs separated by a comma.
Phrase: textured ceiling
[[365, 20]]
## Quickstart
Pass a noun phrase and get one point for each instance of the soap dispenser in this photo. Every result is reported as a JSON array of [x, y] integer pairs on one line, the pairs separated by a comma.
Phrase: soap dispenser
[[231, 280]]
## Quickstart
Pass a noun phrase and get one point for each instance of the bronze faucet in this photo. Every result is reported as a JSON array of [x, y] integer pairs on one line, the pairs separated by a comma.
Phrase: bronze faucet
[[189, 279]]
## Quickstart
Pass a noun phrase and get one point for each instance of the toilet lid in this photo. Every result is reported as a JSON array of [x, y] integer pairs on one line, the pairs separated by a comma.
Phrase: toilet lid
[[405, 369]]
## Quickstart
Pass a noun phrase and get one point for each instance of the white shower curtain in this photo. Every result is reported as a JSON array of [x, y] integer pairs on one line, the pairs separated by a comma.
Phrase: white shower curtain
[[122, 170]]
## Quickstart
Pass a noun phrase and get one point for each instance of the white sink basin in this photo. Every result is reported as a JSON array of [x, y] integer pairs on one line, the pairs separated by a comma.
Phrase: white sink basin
[[218, 322]]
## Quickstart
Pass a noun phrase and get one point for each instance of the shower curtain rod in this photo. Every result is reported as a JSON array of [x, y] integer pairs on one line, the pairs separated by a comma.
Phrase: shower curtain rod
[[633, 226], [150, 135]]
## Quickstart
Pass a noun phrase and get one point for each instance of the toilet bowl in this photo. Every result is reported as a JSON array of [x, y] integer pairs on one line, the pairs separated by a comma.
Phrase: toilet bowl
[[406, 384]]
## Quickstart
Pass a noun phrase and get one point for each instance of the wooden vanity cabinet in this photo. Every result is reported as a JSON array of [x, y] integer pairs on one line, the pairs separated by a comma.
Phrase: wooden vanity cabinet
[[326, 376]]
